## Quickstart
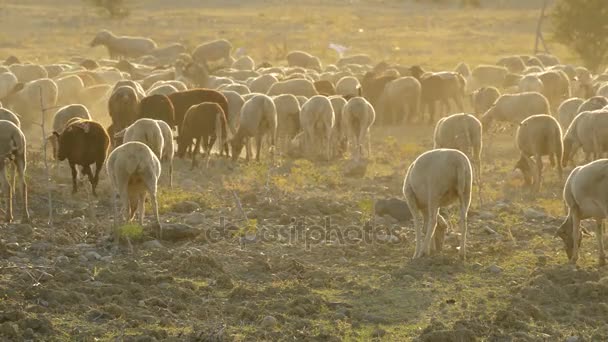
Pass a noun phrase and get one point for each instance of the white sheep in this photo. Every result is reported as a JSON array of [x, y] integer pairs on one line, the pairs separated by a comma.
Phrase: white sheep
[[239, 88], [567, 110], [461, 132], [244, 63], [133, 170], [124, 46], [139, 90], [288, 118], [28, 72], [537, 136], [593, 103], [8, 81], [13, 148], [483, 98], [168, 148], [262, 83], [358, 116], [348, 86], [585, 195], [7, 115], [487, 75], [317, 119], [213, 51], [28, 99], [400, 100], [61, 118], [304, 60], [548, 59], [297, 87], [258, 117], [146, 131], [513, 63], [235, 103], [580, 134], [515, 108], [302, 100], [436, 179], [463, 69], [68, 89], [531, 83], [556, 85]]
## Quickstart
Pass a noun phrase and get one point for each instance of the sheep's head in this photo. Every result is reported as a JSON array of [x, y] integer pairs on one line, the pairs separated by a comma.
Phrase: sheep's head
[[565, 233], [416, 71], [523, 165], [236, 145], [101, 38], [569, 150]]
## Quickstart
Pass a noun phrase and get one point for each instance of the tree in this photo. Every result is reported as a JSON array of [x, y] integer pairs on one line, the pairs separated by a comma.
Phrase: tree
[[116, 9], [583, 26]]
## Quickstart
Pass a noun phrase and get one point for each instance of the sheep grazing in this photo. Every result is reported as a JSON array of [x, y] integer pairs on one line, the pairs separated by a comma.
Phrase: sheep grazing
[[515, 108], [61, 119], [325, 87], [206, 121], [258, 117], [360, 59], [146, 131], [168, 152], [347, 86], [244, 63], [304, 60], [461, 132], [372, 87], [213, 51], [122, 107], [28, 72], [587, 131], [567, 110], [297, 87], [358, 116], [531, 83], [593, 103], [123, 46], [288, 118], [436, 179], [157, 107], [513, 63], [488, 76], [483, 98], [262, 83], [7, 115], [133, 170], [440, 87], [183, 100], [537, 136], [400, 100], [556, 86], [13, 148], [585, 196], [83, 142], [317, 119], [27, 99], [235, 103]]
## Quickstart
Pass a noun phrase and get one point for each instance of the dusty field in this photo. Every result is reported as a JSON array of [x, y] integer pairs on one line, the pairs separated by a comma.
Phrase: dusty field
[[276, 275]]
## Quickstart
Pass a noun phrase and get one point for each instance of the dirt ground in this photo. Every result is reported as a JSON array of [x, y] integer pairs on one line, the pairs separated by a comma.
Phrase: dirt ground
[[292, 250]]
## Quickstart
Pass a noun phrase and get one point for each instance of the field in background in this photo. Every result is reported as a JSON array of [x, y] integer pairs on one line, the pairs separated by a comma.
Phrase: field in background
[[67, 283]]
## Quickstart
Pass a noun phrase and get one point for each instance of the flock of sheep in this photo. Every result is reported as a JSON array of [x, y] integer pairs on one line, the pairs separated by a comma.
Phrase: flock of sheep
[[150, 98]]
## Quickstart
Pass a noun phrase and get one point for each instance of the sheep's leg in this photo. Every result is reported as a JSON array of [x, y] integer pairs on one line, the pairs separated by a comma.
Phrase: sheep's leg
[[141, 207], [463, 230], [258, 146], [248, 152], [599, 234], [20, 169], [369, 144], [410, 199], [86, 170], [171, 173], [559, 167], [151, 186], [328, 135], [74, 174], [576, 232], [539, 171], [431, 105], [8, 191], [431, 224], [197, 147], [133, 205]]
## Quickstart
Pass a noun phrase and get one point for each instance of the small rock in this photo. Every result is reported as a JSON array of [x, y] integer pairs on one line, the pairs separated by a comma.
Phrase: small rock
[[62, 259], [394, 208], [573, 339], [152, 244], [186, 207], [106, 258], [530, 213], [177, 231], [494, 269], [24, 230], [269, 322], [194, 219], [92, 255], [486, 215], [542, 260], [40, 247], [355, 169]]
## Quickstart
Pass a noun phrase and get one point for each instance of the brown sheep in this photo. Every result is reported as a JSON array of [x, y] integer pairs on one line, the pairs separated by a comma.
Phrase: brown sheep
[[83, 142], [157, 107], [206, 120], [122, 107], [325, 87]]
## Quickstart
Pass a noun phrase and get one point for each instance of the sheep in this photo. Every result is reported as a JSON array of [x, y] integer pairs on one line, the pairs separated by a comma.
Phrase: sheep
[[122, 107], [304, 60], [258, 117], [213, 51], [133, 170], [461, 132], [436, 179], [28, 72], [556, 86], [157, 107], [235, 103], [463, 69], [358, 116], [168, 152], [8, 81], [206, 120], [513, 63], [347, 86], [27, 99], [325, 88], [146, 131], [483, 98], [538, 135], [400, 100], [532, 61], [441, 87], [123, 46], [317, 116], [593, 103], [183, 100], [164, 89], [488, 75], [262, 83], [244, 63], [297, 87], [168, 53], [531, 83], [288, 116], [581, 134], [13, 148], [239, 88], [372, 87], [584, 194], [302, 100], [7, 115], [567, 110], [361, 59], [515, 108], [68, 89], [61, 119], [180, 86], [83, 142], [139, 90], [547, 59]]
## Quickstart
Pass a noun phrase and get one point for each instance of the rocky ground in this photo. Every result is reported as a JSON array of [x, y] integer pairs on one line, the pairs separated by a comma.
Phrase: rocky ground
[[284, 252]]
